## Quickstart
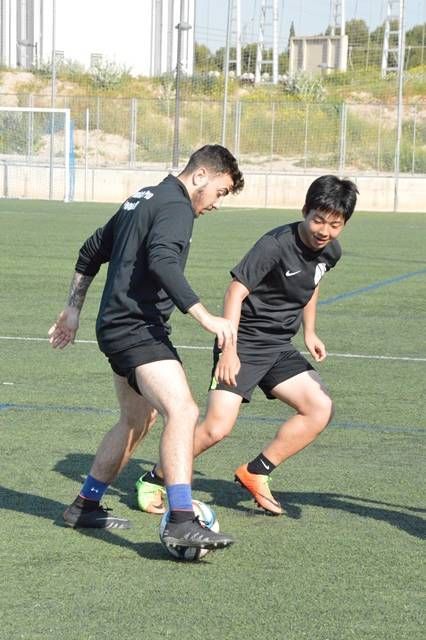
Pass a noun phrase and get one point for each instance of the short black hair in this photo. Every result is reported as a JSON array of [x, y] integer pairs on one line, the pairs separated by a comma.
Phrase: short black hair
[[219, 160], [332, 194]]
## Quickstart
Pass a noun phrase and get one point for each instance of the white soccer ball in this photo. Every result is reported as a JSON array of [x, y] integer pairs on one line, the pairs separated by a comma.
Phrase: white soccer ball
[[207, 519]]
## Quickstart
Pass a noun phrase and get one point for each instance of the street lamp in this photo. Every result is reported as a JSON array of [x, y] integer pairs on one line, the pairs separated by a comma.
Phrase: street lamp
[[182, 26]]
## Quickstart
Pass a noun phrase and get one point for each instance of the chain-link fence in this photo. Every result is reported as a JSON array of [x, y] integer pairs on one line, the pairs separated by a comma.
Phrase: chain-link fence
[[355, 123], [265, 136]]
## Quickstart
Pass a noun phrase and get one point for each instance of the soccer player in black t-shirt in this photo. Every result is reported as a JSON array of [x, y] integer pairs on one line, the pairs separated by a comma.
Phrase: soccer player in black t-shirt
[[146, 244], [274, 290]]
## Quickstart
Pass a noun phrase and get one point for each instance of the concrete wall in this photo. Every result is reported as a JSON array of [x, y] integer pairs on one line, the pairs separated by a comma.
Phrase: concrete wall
[[285, 191]]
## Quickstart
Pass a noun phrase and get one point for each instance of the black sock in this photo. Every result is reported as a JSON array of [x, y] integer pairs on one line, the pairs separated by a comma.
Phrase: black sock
[[153, 478], [260, 465], [178, 516]]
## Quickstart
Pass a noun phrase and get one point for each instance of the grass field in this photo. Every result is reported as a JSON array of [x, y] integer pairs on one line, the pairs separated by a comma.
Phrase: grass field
[[345, 563]]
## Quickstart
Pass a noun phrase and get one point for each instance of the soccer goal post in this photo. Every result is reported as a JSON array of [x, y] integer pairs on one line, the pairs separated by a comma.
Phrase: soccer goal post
[[35, 153]]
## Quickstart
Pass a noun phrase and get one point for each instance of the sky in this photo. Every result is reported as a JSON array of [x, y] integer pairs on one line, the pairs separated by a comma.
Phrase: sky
[[310, 17], [87, 26]]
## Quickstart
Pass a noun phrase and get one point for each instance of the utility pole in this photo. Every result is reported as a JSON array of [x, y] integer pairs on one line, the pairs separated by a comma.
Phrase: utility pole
[[265, 7], [181, 26], [52, 100], [400, 77], [392, 37]]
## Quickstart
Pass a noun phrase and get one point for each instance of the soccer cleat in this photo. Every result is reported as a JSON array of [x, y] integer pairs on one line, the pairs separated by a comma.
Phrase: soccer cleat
[[150, 496], [258, 486], [93, 516], [192, 534]]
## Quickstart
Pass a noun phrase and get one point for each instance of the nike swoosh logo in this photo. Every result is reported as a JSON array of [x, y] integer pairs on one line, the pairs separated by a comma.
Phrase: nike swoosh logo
[[289, 273], [267, 467]]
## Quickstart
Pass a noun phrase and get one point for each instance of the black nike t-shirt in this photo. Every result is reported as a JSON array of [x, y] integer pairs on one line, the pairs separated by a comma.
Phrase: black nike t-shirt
[[146, 244], [281, 273]]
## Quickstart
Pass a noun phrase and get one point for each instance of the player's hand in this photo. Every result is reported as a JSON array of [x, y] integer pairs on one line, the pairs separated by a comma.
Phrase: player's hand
[[224, 329], [227, 368], [63, 331], [315, 347]]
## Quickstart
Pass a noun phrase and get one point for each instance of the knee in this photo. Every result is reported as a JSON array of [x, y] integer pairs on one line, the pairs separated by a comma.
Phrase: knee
[[185, 410], [192, 412], [137, 422], [324, 412], [216, 432]]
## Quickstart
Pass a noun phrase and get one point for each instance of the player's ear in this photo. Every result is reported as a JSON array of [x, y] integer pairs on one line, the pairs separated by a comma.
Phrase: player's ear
[[200, 177]]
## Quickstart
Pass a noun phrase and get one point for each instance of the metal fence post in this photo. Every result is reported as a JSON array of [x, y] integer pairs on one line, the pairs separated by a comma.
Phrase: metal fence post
[[133, 125], [86, 153], [201, 119], [271, 157], [379, 137], [413, 161], [342, 141], [30, 134], [237, 133], [305, 145]]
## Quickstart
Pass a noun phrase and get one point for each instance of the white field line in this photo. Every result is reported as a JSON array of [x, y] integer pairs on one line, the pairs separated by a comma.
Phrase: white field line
[[202, 348]]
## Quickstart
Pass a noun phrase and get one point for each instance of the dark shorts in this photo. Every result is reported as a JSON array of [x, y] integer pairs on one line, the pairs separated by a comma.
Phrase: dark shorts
[[124, 363], [264, 372]]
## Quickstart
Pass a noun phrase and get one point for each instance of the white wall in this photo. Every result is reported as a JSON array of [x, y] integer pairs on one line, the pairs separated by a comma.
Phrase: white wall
[[280, 191], [121, 30]]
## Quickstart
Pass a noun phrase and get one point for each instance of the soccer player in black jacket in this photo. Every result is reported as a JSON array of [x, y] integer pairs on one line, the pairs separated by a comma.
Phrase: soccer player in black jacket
[[274, 290], [146, 245]]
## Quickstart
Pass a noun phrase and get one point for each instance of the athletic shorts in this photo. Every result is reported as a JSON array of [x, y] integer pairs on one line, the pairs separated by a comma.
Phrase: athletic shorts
[[264, 372], [124, 363]]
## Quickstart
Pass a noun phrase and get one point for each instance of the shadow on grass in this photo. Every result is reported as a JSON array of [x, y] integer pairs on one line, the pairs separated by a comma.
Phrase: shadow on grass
[[226, 494], [76, 466], [293, 504], [52, 510]]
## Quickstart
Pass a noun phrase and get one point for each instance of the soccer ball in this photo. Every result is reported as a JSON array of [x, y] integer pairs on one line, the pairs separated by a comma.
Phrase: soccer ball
[[207, 519]]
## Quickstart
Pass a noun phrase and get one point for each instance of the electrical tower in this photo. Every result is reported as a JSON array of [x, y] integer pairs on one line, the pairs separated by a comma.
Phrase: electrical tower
[[393, 37], [338, 17], [235, 9], [268, 18]]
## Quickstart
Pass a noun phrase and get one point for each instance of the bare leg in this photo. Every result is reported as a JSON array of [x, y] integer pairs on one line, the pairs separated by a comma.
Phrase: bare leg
[[222, 413], [307, 394], [165, 387], [137, 417]]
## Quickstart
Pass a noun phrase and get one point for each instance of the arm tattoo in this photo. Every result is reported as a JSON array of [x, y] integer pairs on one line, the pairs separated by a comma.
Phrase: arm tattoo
[[78, 290]]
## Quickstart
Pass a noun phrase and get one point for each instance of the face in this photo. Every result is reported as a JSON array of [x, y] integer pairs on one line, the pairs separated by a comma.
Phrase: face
[[319, 228], [209, 190]]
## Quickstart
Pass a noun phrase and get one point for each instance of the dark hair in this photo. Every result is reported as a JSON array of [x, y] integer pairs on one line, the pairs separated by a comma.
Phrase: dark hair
[[332, 194], [219, 160]]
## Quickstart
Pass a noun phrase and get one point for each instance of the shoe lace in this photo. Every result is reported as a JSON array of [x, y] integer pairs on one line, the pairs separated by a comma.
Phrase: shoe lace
[[104, 508], [197, 520]]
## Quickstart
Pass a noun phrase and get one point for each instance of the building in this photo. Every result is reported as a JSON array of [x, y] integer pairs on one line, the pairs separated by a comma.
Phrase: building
[[313, 55], [138, 35]]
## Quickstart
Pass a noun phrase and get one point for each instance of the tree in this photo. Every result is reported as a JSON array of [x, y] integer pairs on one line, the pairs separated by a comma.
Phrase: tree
[[358, 35], [283, 62], [415, 46], [219, 59], [357, 32], [248, 58], [291, 34], [202, 58]]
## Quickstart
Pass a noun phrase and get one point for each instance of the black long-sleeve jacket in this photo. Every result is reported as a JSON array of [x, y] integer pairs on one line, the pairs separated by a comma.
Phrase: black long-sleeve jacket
[[146, 244]]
